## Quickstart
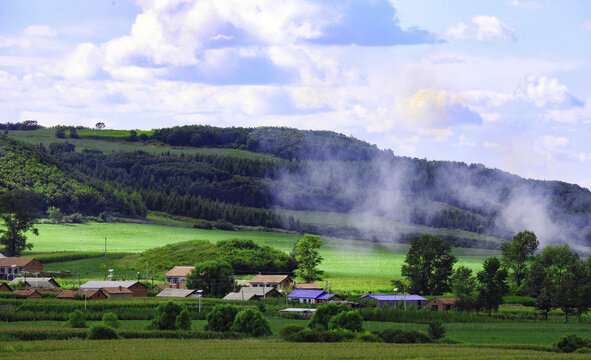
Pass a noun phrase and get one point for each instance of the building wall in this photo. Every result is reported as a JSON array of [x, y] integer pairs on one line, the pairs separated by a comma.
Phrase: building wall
[[139, 290]]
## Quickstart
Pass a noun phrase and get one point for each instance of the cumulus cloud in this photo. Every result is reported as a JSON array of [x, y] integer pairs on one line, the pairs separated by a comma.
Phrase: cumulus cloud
[[559, 147], [482, 28], [549, 92]]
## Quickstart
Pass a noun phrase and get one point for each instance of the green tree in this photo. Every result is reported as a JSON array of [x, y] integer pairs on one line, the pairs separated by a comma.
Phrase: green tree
[[428, 265], [517, 254], [349, 320], [18, 212], [55, 214], [463, 285], [110, 319], [166, 316], [252, 322], [76, 319], [493, 285], [183, 320], [221, 317], [214, 277], [323, 314], [308, 258]]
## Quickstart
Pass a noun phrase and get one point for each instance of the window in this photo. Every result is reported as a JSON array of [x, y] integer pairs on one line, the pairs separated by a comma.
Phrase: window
[[1, 270]]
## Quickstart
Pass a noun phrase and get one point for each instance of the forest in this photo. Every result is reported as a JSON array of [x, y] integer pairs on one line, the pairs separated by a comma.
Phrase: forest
[[306, 170]]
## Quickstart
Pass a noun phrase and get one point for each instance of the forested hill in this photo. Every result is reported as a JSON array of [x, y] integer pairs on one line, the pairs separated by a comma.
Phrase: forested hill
[[26, 167], [320, 171]]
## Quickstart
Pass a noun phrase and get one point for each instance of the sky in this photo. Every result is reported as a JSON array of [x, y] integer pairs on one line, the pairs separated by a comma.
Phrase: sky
[[501, 83]]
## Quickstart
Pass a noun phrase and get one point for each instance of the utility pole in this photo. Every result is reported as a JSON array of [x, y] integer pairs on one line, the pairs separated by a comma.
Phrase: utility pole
[[105, 246]]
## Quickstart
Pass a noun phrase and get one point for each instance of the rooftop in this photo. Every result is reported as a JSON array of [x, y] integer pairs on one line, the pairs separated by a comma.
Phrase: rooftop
[[178, 293], [18, 261], [388, 297], [93, 285], [269, 279], [180, 271]]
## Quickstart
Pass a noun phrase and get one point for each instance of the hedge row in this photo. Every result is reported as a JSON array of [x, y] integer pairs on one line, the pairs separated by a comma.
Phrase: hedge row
[[28, 334]]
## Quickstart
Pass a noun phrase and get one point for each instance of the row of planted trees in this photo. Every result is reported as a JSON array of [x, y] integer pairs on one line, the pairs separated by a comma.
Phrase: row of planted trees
[[556, 277]]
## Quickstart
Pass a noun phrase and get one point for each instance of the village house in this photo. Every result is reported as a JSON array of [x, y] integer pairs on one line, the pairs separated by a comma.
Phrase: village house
[[304, 312], [307, 286], [178, 293], [117, 292], [442, 304], [243, 283], [5, 287], [137, 288], [253, 293], [35, 283], [90, 295], [275, 281], [388, 301], [11, 267], [28, 294], [312, 296], [178, 274]]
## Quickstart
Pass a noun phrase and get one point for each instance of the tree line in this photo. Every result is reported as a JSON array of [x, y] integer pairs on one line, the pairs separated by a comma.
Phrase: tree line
[[557, 277]]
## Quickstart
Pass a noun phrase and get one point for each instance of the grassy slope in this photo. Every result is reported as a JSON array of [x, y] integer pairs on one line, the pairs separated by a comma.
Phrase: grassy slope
[[257, 349], [46, 137], [349, 264]]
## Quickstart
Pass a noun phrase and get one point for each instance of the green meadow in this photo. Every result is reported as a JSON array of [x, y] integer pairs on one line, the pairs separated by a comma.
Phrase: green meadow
[[348, 264]]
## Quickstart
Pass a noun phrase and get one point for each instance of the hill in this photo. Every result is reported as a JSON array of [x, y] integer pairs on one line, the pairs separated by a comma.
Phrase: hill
[[244, 175], [27, 167]]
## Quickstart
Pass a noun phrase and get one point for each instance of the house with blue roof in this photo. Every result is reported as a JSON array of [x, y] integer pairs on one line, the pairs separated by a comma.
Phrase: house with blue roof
[[312, 296], [387, 300]]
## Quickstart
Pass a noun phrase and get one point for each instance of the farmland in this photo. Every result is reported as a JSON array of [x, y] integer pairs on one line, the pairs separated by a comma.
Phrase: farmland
[[349, 264], [258, 349]]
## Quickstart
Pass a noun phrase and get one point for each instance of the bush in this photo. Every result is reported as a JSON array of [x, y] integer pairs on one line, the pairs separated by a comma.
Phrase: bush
[[101, 332], [76, 320], [250, 321], [404, 337], [221, 317], [350, 320], [288, 330], [324, 313], [111, 320], [311, 335], [183, 321], [572, 342], [367, 337], [436, 330]]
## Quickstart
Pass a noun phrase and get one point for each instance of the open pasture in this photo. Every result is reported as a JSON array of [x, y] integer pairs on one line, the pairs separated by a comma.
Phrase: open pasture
[[349, 264], [257, 349]]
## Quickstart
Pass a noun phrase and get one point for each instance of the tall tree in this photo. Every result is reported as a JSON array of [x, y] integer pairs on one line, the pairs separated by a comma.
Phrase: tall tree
[[100, 125], [213, 277], [429, 265], [464, 287], [517, 254], [18, 210], [492, 279], [308, 258]]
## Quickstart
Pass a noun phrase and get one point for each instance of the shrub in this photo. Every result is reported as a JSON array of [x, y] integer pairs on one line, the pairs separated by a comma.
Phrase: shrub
[[101, 332], [570, 343], [183, 321], [252, 322], [404, 337], [288, 330], [350, 320], [221, 317], [111, 320], [324, 313], [76, 320], [583, 350], [436, 330], [367, 337], [311, 335]]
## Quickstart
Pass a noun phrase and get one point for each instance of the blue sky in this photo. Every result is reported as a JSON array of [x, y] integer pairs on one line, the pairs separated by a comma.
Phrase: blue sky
[[502, 83]]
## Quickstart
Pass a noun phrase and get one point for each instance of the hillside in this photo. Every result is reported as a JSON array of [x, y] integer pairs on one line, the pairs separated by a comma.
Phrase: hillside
[[27, 167], [242, 174]]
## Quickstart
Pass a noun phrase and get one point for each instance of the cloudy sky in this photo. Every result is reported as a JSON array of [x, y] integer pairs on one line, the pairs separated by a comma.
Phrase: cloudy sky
[[503, 83]]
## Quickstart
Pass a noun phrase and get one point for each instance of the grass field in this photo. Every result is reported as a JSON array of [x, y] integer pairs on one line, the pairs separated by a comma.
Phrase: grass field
[[258, 349], [46, 137], [349, 264]]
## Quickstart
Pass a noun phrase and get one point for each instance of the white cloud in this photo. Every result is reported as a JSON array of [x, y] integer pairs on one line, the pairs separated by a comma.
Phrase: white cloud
[[524, 4], [545, 91], [483, 28], [558, 147], [586, 25], [491, 145], [40, 31]]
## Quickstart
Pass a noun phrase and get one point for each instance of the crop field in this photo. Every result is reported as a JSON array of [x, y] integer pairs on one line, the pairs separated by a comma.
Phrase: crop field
[[258, 349], [349, 264]]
